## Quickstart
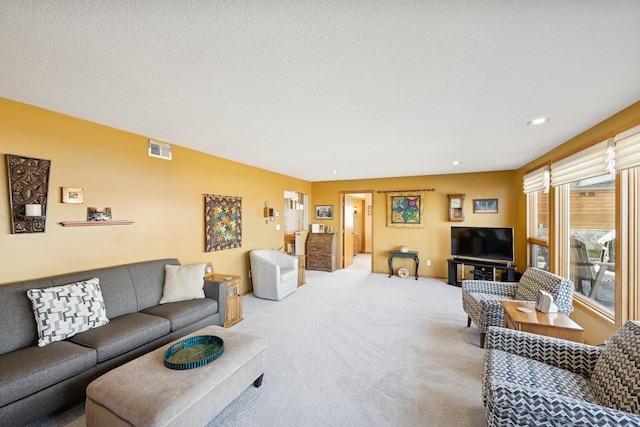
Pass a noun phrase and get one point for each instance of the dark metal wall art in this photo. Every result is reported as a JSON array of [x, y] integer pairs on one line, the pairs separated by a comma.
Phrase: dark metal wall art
[[28, 185]]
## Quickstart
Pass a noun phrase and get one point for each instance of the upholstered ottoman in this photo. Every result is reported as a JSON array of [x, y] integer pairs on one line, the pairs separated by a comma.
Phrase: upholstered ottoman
[[144, 392]]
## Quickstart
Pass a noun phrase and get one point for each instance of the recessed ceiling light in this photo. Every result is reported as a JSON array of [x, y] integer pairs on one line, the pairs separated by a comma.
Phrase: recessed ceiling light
[[334, 172], [456, 163], [538, 121]]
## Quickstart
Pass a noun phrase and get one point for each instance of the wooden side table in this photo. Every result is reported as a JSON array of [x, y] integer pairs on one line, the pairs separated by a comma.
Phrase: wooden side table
[[234, 297], [302, 278], [398, 254], [555, 325]]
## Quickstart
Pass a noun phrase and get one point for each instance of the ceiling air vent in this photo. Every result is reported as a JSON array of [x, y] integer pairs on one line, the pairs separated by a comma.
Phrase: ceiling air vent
[[159, 150]]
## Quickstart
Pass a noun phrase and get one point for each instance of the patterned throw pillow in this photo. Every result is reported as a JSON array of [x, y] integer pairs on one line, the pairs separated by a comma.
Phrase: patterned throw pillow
[[63, 311]]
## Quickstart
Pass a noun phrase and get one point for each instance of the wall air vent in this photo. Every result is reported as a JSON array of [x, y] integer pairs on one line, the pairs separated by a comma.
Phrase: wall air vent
[[159, 150]]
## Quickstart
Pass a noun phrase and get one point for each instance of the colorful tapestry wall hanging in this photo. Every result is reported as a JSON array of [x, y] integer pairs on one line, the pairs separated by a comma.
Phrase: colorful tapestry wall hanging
[[223, 222], [405, 209]]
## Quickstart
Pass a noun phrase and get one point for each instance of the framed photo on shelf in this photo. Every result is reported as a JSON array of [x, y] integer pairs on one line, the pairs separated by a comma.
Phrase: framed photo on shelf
[[98, 214], [485, 205], [324, 211]]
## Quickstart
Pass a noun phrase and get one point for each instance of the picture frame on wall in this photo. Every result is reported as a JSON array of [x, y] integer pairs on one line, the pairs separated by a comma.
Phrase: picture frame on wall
[[324, 211], [485, 205], [72, 195]]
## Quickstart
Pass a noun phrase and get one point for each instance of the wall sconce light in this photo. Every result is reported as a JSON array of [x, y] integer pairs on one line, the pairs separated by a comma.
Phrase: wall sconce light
[[355, 209], [32, 210], [28, 188]]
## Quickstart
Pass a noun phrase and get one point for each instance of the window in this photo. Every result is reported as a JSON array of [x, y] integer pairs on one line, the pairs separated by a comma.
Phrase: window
[[536, 186], [627, 161], [538, 229], [594, 228], [591, 249], [585, 210]]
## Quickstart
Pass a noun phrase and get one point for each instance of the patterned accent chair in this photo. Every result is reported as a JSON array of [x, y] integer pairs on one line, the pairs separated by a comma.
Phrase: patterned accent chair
[[535, 380], [481, 298]]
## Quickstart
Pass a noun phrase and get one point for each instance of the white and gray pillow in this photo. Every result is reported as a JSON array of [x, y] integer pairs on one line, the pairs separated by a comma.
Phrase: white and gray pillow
[[63, 311], [183, 282]]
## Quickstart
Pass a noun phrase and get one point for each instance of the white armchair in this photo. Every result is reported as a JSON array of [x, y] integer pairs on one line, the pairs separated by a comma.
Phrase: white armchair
[[274, 274]]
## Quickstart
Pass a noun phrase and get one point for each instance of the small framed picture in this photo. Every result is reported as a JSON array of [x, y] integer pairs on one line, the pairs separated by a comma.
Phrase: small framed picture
[[485, 205], [208, 268], [98, 214], [72, 195], [324, 211]]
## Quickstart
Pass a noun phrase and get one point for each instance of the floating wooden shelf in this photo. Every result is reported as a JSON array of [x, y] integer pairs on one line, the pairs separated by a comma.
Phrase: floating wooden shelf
[[94, 223]]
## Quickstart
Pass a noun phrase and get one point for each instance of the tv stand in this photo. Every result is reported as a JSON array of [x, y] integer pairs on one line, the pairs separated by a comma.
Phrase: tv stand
[[483, 270]]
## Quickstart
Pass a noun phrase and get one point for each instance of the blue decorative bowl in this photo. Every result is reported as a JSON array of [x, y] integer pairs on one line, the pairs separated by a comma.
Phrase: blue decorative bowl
[[193, 352]]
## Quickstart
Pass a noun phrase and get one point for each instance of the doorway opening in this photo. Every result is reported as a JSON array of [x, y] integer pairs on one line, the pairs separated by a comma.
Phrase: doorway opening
[[296, 222], [357, 230]]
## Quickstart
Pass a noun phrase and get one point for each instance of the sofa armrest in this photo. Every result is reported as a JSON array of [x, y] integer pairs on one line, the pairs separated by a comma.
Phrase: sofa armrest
[[217, 290], [508, 289], [569, 355]]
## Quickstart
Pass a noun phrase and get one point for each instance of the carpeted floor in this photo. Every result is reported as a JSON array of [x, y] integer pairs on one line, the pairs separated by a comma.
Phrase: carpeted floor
[[354, 348]]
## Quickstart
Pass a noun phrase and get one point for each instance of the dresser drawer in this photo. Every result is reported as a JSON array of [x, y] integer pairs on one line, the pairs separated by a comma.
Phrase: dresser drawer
[[317, 247]]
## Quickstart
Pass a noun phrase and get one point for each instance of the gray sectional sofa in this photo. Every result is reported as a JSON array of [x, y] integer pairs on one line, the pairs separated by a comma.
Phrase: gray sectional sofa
[[35, 381]]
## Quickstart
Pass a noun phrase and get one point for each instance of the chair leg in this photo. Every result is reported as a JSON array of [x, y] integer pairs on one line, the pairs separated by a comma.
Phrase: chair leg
[[482, 335], [596, 284], [468, 321]]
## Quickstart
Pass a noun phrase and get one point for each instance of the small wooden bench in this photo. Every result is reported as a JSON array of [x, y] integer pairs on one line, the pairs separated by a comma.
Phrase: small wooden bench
[[144, 392]]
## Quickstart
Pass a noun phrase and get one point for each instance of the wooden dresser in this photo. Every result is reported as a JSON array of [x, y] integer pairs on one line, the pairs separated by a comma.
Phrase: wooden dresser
[[321, 252]]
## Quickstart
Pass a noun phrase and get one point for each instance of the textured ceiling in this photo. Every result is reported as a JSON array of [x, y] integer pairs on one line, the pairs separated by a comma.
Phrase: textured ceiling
[[367, 88]]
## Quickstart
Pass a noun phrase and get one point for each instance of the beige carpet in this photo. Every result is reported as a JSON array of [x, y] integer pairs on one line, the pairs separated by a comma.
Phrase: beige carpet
[[361, 262], [352, 348]]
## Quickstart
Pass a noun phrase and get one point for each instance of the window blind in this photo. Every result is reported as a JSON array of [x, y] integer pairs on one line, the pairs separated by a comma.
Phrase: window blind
[[537, 180], [588, 163], [627, 149]]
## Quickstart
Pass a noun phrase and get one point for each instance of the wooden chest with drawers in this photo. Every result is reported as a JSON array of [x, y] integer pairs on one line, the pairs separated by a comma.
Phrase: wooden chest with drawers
[[322, 252]]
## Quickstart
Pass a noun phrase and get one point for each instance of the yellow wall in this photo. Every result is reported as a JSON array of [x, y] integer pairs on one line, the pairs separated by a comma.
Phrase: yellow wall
[[597, 330], [164, 198], [432, 241]]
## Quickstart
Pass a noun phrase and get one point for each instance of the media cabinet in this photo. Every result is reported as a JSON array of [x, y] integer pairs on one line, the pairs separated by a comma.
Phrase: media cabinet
[[483, 270]]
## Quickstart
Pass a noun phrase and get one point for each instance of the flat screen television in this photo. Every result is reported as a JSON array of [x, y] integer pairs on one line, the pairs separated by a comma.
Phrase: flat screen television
[[490, 243]]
